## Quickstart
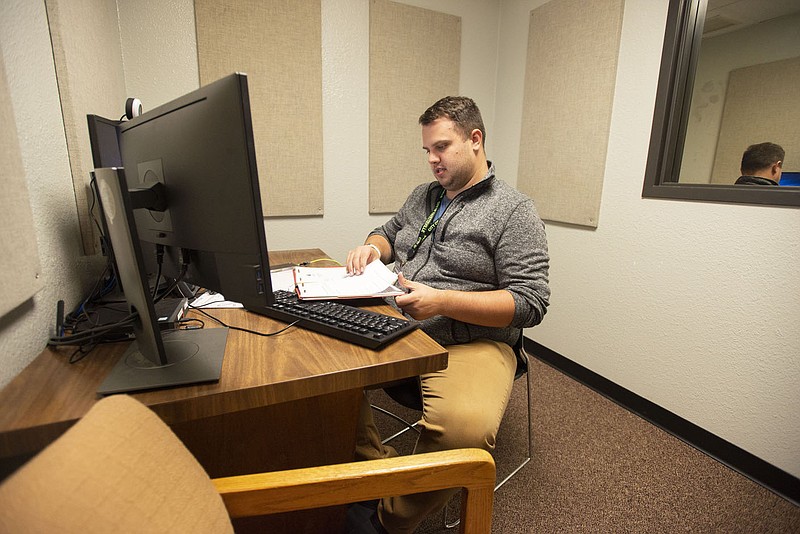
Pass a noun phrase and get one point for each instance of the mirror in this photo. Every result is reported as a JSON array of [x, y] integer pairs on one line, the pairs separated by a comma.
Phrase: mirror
[[710, 92]]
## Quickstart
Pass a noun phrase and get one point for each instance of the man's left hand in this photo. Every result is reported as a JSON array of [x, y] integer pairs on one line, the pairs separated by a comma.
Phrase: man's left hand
[[421, 301]]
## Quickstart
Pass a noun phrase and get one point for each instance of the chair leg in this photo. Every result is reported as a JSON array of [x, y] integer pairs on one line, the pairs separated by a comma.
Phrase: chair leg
[[454, 524], [408, 426], [530, 436]]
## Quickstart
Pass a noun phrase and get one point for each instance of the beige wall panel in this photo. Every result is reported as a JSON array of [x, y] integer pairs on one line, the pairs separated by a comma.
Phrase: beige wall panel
[[278, 45], [414, 60], [19, 257], [756, 105], [86, 49], [569, 88]]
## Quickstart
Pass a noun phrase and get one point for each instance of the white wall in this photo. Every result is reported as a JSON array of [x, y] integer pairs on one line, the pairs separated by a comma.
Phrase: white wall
[[66, 273], [691, 305]]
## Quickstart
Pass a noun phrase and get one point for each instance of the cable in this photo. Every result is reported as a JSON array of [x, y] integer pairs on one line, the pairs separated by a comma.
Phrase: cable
[[74, 358], [104, 241], [192, 320], [74, 318], [185, 261], [263, 334], [92, 335], [303, 264], [160, 263]]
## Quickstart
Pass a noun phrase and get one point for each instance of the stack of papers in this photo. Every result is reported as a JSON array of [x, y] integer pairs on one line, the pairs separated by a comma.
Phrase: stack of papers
[[317, 283]]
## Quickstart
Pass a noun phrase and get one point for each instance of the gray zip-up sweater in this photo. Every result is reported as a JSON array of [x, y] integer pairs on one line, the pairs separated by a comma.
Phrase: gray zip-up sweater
[[489, 237]]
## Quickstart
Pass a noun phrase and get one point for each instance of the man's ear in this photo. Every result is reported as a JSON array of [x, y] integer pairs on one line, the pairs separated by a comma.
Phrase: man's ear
[[477, 138]]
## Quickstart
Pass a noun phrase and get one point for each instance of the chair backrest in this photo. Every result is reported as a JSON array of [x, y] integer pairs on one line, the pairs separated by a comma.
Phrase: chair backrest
[[522, 356], [119, 469]]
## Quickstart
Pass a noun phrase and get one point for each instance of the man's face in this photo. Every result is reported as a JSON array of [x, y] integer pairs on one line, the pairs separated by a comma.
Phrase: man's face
[[452, 158]]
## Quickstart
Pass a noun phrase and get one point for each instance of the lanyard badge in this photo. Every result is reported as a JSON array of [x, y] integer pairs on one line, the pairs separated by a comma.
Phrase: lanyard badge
[[427, 227]]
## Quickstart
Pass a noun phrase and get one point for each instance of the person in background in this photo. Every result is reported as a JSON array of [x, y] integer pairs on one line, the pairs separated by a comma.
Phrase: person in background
[[762, 164], [471, 252]]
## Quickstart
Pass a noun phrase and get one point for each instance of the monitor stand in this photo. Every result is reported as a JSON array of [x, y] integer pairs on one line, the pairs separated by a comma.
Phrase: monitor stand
[[176, 358]]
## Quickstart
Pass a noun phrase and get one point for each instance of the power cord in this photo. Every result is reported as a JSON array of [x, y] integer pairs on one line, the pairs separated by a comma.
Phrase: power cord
[[263, 334]]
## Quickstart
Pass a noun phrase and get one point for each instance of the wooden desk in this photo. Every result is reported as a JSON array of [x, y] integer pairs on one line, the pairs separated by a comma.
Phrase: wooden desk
[[285, 401]]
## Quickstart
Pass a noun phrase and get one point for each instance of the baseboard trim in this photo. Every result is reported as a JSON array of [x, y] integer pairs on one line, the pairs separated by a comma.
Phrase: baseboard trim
[[773, 478]]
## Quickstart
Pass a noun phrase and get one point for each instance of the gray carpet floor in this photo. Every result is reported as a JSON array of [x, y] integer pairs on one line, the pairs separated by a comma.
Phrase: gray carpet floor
[[596, 467]]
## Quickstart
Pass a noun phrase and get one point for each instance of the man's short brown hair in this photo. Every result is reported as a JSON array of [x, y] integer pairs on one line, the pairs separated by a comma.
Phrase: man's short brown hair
[[461, 110]]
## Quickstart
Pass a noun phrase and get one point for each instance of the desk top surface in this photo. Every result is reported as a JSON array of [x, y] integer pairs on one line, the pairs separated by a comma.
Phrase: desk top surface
[[51, 394]]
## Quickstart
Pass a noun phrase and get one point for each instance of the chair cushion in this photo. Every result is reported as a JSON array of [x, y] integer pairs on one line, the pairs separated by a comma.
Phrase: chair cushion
[[119, 469]]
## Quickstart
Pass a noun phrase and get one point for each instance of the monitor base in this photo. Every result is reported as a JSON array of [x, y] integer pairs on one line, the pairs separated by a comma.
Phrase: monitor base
[[194, 356]]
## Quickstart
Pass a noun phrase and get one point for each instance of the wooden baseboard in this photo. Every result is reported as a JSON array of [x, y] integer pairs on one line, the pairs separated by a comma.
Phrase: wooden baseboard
[[773, 478]]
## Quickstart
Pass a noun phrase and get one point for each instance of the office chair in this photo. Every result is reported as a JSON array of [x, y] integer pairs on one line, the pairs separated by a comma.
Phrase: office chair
[[121, 469], [407, 394]]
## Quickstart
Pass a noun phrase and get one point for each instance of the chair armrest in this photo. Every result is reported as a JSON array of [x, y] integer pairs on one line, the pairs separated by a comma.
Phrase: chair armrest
[[315, 487]]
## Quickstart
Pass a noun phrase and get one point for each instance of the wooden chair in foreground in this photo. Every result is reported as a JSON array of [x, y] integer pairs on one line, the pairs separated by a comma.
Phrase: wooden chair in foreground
[[121, 469]]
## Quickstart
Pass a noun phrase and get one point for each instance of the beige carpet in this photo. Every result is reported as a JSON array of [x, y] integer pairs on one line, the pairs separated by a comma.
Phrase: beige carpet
[[597, 467]]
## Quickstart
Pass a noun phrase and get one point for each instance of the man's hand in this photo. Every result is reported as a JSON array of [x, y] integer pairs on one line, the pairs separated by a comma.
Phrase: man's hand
[[485, 308], [376, 248], [360, 257], [421, 301]]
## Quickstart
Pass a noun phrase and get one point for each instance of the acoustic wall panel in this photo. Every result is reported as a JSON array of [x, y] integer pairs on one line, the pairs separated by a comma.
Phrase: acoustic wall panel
[[761, 105], [19, 257], [569, 90], [414, 60], [278, 45], [88, 60]]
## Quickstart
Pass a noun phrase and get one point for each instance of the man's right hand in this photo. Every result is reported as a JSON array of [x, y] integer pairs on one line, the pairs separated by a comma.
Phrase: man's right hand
[[359, 258]]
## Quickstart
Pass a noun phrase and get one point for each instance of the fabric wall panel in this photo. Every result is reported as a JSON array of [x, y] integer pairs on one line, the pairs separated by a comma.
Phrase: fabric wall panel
[[569, 91], [19, 256], [415, 58], [278, 45]]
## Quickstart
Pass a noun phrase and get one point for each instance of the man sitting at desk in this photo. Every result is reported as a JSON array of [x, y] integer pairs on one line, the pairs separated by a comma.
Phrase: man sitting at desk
[[472, 253]]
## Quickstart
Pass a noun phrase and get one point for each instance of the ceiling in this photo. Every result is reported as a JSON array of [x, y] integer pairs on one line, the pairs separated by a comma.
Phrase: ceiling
[[723, 16]]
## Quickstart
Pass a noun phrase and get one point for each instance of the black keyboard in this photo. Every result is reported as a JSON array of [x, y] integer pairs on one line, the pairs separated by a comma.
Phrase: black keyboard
[[342, 321]]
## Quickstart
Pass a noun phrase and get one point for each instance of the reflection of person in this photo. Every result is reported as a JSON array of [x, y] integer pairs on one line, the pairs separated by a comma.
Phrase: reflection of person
[[472, 254], [762, 164]]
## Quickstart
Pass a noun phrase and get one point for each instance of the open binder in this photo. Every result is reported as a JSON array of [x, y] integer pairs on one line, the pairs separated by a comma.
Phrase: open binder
[[326, 283]]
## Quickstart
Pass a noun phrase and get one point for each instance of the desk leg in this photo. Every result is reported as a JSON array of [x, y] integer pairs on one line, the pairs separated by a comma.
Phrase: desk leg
[[302, 433]]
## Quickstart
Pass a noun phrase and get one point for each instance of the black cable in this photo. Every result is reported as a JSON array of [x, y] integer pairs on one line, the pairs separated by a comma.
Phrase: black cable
[[92, 335], [104, 240], [95, 196], [263, 334], [82, 351], [184, 268], [160, 263], [192, 320], [74, 318]]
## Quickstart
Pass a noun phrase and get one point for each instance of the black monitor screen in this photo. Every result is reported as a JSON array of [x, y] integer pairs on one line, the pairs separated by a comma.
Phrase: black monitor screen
[[200, 146], [188, 193]]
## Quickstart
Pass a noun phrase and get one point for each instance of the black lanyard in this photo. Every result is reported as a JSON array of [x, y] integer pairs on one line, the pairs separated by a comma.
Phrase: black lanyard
[[427, 227]]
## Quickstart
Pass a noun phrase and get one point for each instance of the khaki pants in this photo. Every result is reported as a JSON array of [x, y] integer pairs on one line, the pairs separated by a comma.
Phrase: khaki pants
[[462, 407]]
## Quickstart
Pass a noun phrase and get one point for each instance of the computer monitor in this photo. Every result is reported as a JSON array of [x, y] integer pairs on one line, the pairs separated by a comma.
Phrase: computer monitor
[[104, 141], [188, 186], [790, 178]]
